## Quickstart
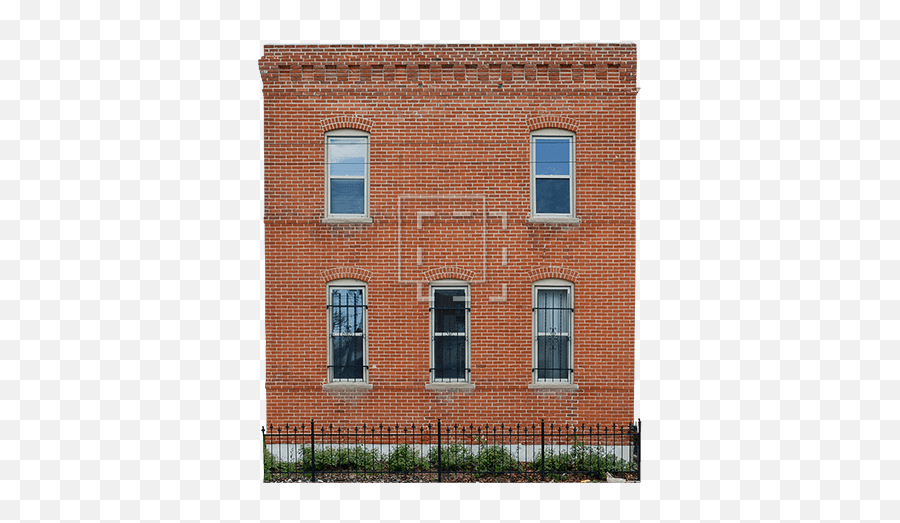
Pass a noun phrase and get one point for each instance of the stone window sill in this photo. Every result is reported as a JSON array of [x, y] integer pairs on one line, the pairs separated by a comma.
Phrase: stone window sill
[[449, 386], [568, 220], [553, 386], [347, 385], [335, 220]]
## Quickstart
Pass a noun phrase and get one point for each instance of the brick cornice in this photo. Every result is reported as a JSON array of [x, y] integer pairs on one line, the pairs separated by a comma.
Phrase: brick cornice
[[473, 66]]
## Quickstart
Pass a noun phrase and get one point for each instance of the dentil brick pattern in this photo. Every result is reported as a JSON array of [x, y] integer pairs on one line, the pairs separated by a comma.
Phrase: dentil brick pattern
[[450, 197]]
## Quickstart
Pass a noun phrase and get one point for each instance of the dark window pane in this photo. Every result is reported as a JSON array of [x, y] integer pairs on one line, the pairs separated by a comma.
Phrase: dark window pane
[[553, 357], [347, 156], [449, 358], [551, 318], [347, 357], [449, 310], [347, 311], [348, 196], [551, 156], [552, 196]]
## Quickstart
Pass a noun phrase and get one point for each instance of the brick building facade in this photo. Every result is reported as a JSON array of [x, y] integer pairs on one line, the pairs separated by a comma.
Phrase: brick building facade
[[450, 233]]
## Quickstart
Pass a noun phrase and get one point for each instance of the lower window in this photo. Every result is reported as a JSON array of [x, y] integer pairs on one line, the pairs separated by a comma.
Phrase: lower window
[[347, 333], [449, 334], [553, 333]]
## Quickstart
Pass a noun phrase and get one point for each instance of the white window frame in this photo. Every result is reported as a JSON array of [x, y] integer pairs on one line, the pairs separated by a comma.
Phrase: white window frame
[[346, 133], [450, 284], [553, 133], [555, 285], [348, 283]]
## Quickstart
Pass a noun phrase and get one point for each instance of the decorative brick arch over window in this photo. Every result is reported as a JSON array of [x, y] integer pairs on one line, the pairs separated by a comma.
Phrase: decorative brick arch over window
[[557, 122], [348, 122], [456, 273], [554, 272], [353, 273]]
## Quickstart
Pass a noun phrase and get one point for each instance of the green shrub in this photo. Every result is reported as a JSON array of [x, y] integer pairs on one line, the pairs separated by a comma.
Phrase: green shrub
[[405, 458], [293, 462], [552, 461], [581, 458], [269, 464], [453, 457], [496, 459], [598, 462], [355, 458]]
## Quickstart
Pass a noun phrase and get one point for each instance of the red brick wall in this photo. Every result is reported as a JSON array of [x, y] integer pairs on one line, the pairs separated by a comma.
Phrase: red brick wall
[[450, 125]]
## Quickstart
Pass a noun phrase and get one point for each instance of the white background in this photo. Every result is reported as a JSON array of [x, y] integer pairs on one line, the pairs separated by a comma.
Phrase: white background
[[131, 259]]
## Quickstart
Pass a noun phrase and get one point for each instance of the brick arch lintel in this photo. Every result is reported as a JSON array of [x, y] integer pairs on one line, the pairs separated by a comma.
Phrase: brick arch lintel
[[458, 273], [353, 273], [555, 121], [348, 122], [554, 272]]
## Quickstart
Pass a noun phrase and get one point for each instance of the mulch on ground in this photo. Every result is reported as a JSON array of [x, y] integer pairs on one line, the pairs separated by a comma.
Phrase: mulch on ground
[[447, 477]]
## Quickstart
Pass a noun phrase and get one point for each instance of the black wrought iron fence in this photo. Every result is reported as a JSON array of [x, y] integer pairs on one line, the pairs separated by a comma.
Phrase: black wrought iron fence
[[442, 452]]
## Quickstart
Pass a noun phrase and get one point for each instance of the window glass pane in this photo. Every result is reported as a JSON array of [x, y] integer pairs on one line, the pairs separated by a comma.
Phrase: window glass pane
[[552, 196], [347, 311], [347, 357], [449, 310], [553, 357], [551, 156], [347, 156], [348, 196], [551, 318], [449, 358]]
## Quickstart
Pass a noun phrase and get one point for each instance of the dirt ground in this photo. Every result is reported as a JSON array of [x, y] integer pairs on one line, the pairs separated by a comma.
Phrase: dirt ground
[[448, 477]]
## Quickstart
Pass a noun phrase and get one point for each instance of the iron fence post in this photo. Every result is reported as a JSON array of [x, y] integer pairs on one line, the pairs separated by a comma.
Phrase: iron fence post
[[637, 449], [543, 460], [631, 434], [312, 446]]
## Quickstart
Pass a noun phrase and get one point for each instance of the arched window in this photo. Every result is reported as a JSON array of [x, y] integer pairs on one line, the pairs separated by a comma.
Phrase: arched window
[[347, 331], [553, 325], [347, 174], [449, 331], [552, 173]]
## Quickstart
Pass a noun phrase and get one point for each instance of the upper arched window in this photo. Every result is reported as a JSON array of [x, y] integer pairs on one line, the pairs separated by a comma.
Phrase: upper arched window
[[552, 173], [346, 174]]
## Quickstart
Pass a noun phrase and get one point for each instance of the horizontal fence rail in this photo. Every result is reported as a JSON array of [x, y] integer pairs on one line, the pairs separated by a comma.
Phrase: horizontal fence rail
[[439, 451]]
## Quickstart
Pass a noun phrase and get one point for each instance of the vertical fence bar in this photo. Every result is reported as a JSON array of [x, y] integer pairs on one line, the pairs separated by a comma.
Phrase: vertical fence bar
[[543, 460], [312, 446], [296, 454], [637, 450], [625, 442], [439, 450]]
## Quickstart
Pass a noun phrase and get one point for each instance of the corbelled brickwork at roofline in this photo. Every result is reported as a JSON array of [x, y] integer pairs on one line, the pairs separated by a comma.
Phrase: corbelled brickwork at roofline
[[606, 65]]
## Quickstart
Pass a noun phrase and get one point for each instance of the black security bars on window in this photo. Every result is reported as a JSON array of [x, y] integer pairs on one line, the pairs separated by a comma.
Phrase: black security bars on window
[[553, 318], [449, 336], [347, 335]]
